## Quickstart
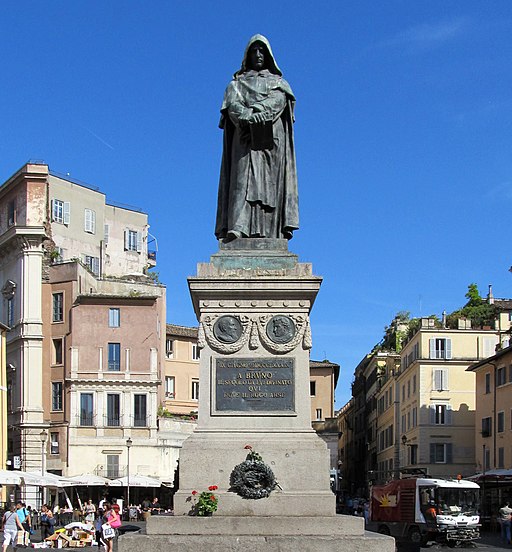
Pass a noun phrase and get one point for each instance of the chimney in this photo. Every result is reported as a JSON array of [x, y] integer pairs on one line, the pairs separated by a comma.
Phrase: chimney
[[443, 322], [490, 296]]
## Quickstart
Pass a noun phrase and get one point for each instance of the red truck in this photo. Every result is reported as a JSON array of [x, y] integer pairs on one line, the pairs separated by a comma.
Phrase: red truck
[[419, 510]]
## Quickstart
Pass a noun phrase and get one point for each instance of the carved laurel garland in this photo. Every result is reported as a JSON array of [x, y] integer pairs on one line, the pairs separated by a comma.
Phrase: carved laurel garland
[[206, 332], [254, 331], [301, 324]]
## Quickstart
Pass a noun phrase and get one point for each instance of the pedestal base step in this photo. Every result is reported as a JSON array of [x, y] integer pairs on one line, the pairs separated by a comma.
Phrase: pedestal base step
[[257, 534], [368, 542]]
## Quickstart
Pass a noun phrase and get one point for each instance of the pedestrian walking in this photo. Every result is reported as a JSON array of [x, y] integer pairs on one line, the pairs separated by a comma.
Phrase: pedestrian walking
[[11, 525]]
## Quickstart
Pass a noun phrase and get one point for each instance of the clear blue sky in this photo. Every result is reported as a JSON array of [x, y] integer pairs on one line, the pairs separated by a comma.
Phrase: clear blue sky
[[403, 133]]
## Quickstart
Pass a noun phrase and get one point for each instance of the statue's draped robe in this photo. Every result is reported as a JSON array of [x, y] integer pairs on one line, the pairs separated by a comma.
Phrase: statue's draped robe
[[258, 194]]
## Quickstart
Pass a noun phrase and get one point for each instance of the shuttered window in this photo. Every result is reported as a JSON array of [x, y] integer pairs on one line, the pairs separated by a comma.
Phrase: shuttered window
[[440, 347], [440, 379], [90, 221]]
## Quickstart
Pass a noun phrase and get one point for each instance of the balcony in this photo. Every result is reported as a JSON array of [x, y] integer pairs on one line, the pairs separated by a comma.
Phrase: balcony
[[111, 472]]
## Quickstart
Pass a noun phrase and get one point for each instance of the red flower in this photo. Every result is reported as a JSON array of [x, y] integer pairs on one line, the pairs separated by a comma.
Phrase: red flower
[[213, 488], [194, 493], [212, 498], [248, 447]]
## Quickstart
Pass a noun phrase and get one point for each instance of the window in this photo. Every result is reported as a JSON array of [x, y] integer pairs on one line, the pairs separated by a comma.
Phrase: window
[[170, 384], [93, 264], [510, 373], [440, 379], [409, 389], [441, 453], [90, 221], [140, 410], [11, 213], [60, 211], [440, 413], [106, 233], [57, 255], [501, 377], [112, 466], [413, 455], [113, 318], [10, 312], [57, 351], [195, 390], [58, 307], [501, 457], [169, 348], [489, 346], [312, 388], [487, 459], [380, 405], [408, 420], [486, 427], [113, 410], [440, 348], [114, 357], [195, 352], [500, 422], [403, 424], [57, 396], [488, 382], [318, 413], [54, 443], [86, 409], [414, 384], [133, 240], [403, 392], [414, 416]]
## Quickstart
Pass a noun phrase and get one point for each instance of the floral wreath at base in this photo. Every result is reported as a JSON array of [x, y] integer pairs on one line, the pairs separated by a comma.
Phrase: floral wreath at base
[[253, 478]]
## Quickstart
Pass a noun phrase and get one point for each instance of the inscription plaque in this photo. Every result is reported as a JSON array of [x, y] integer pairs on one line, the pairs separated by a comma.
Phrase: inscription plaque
[[255, 384]]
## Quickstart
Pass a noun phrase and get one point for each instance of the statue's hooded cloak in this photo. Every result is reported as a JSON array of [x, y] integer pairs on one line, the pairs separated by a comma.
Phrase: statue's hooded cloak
[[258, 185]]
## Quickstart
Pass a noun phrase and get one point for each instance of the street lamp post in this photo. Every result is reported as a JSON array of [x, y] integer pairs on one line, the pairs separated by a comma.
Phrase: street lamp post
[[129, 443], [43, 436]]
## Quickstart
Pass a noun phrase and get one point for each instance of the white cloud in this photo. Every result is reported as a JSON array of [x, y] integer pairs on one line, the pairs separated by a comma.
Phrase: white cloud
[[428, 35]]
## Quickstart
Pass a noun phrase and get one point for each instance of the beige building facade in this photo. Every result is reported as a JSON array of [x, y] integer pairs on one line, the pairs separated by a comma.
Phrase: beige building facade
[[87, 332], [493, 430], [181, 367], [436, 397], [493, 427]]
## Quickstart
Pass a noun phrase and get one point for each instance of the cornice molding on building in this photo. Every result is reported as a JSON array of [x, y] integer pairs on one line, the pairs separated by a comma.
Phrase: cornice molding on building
[[16, 236], [181, 331], [32, 171], [97, 298], [131, 383]]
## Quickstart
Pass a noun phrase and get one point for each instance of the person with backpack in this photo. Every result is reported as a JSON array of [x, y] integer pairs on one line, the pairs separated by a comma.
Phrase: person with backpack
[[11, 525]]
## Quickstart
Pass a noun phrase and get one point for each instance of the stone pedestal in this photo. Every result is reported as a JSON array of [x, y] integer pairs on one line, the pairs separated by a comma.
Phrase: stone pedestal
[[253, 302], [254, 381]]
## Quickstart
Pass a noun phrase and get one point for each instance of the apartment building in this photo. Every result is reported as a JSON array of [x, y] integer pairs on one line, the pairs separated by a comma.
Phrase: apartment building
[[181, 369], [3, 405], [323, 379], [493, 428], [436, 396], [87, 329]]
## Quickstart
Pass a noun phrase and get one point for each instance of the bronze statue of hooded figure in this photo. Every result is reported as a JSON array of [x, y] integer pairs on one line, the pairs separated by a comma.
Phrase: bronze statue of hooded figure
[[258, 195]]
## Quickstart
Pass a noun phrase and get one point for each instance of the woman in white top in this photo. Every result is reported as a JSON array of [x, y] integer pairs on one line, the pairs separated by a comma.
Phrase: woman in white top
[[11, 525]]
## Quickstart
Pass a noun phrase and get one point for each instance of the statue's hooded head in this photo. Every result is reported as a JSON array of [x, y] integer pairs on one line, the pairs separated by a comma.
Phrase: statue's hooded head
[[270, 62]]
